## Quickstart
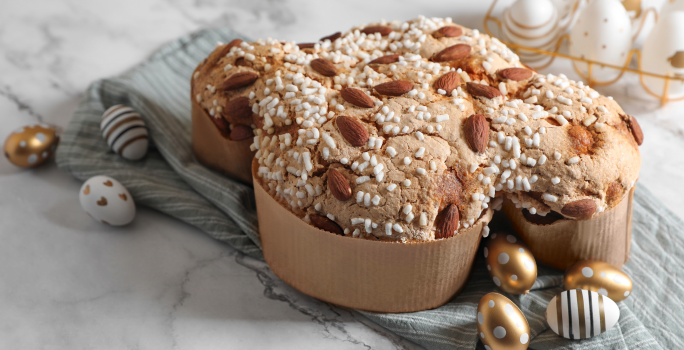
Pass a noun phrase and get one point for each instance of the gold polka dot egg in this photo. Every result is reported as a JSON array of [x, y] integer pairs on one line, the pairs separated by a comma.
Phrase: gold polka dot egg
[[510, 263], [501, 324], [600, 277], [107, 201], [125, 132], [31, 145]]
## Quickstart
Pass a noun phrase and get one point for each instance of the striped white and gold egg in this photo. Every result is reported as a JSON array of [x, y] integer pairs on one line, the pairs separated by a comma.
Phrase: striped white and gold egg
[[125, 132], [581, 314]]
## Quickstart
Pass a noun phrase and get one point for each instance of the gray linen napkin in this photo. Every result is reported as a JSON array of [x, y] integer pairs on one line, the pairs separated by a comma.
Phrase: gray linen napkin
[[171, 180]]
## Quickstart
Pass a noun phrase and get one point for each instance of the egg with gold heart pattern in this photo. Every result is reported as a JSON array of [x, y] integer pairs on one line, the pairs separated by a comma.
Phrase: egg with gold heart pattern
[[107, 201], [31, 145], [581, 314], [510, 263], [501, 324], [600, 277]]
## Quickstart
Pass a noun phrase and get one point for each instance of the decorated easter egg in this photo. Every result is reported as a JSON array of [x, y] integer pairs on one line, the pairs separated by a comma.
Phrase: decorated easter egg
[[663, 53], [599, 277], [564, 7], [125, 132], [602, 33], [633, 7], [581, 314], [510, 263], [107, 201], [501, 324], [532, 23], [31, 145]]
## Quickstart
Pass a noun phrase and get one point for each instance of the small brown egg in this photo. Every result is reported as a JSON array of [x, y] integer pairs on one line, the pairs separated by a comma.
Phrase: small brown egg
[[510, 263], [31, 145], [501, 324], [600, 277]]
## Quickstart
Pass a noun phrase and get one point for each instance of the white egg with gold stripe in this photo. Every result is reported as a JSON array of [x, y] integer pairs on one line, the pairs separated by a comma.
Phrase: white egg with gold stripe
[[581, 314], [125, 132]]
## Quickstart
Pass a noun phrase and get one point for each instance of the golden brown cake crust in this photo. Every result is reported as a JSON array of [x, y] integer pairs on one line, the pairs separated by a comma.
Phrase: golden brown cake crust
[[550, 143]]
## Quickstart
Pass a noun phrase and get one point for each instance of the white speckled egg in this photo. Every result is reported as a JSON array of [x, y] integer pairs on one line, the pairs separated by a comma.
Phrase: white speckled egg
[[501, 324], [602, 33], [107, 201], [581, 314], [663, 53], [125, 132], [31, 145], [532, 23]]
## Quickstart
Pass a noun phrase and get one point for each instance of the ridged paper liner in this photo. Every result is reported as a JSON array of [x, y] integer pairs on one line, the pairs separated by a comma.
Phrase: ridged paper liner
[[606, 237], [361, 273], [234, 158]]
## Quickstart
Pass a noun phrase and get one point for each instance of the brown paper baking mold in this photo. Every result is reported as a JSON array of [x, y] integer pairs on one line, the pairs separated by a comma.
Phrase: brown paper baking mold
[[606, 237], [213, 149], [360, 273]]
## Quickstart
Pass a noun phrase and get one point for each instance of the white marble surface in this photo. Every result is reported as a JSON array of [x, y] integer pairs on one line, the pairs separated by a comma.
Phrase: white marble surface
[[71, 283]]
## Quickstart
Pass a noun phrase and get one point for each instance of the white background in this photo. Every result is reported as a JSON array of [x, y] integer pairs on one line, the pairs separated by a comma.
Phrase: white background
[[68, 282]]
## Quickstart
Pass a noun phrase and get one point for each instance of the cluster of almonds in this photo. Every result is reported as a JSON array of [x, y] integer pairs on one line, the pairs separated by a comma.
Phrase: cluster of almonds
[[411, 130]]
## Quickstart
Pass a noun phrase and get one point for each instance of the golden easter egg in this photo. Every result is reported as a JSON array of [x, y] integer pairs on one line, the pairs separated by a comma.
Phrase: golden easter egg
[[599, 277], [510, 263], [31, 145], [501, 324]]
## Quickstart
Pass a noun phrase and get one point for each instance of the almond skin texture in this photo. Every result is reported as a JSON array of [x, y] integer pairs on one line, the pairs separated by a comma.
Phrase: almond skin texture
[[582, 208], [385, 59], [326, 224], [476, 131], [448, 32], [394, 88], [448, 222], [306, 46], [636, 130], [352, 131], [517, 74], [377, 29], [241, 132], [448, 82], [332, 37], [481, 90], [357, 97], [452, 53], [226, 49], [239, 80], [238, 111], [338, 185], [222, 125], [324, 67]]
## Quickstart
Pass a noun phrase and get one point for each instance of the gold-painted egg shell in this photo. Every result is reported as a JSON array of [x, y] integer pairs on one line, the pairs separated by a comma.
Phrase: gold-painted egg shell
[[31, 145], [501, 324], [510, 263], [600, 277], [581, 314]]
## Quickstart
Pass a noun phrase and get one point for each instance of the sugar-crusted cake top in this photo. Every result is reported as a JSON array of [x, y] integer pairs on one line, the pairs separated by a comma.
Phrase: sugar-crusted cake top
[[409, 130]]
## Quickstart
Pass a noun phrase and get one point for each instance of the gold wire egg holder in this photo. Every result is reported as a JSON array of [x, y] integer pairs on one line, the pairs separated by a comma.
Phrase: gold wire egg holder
[[588, 77]]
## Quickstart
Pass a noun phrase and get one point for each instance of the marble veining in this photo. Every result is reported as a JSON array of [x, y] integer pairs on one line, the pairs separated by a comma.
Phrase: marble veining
[[71, 283]]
